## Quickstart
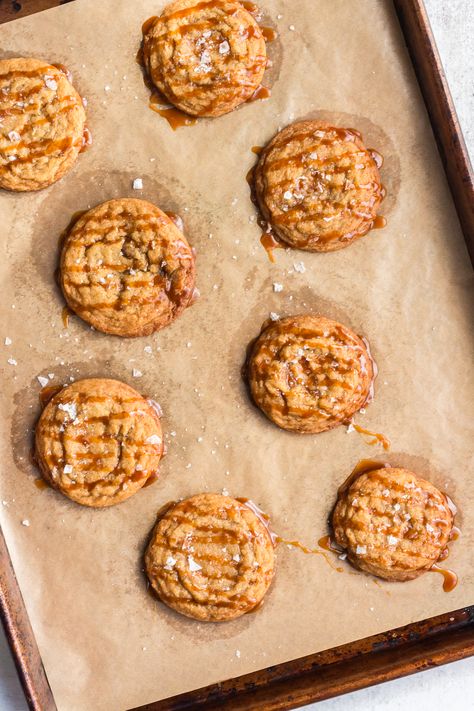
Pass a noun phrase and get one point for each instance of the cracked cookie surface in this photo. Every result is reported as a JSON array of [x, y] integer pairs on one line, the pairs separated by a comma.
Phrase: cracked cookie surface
[[309, 373], [126, 269], [205, 57], [210, 557], [318, 186], [392, 523], [42, 122], [98, 441]]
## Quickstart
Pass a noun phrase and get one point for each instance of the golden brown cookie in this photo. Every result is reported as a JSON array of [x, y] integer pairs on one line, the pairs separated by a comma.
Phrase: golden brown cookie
[[392, 523], [42, 123], [210, 557], [318, 186], [126, 268], [205, 57], [309, 374], [98, 441]]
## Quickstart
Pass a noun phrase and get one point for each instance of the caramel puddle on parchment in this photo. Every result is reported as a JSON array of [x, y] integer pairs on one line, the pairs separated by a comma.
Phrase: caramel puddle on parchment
[[268, 240]]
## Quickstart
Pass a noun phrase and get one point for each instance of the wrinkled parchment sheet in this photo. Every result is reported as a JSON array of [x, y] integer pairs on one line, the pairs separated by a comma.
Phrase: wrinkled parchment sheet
[[105, 642]]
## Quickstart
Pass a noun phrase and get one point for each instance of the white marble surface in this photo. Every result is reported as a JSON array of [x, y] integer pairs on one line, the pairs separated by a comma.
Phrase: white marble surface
[[451, 686]]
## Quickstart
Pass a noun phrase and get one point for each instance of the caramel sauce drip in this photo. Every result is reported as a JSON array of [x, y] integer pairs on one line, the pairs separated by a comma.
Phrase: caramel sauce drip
[[450, 579], [455, 533], [67, 72], [328, 545], [379, 222], [257, 150], [269, 34], [148, 24], [177, 220], [65, 314], [269, 243], [261, 92], [139, 60], [40, 483], [48, 392], [362, 467], [175, 117], [309, 551], [377, 437], [86, 140], [251, 7], [262, 516], [151, 480]]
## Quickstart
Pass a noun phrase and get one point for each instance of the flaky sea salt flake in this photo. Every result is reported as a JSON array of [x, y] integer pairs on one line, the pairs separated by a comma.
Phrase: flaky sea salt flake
[[193, 566], [153, 439], [170, 563], [51, 83]]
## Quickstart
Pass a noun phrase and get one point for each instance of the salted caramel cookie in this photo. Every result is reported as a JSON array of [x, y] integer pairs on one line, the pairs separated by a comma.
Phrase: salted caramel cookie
[[205, 57], [98, 441], [308, 373], [210, 557], [318, 186], [392, 523], [42, 122], [126, 268]]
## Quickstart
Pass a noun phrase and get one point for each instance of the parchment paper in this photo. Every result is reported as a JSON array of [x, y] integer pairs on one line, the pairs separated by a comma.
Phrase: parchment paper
[[105, 642]]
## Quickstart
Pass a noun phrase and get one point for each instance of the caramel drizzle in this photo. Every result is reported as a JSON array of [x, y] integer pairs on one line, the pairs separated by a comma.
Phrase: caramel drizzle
[[85, 440], [374, 469], [269, 242], [207, 535], [161, 282], [376, 437], [450, 578], [48, 392], [65, 314], [329, 366], [312, 551], [38, 149], [41, 484], [358, 207]]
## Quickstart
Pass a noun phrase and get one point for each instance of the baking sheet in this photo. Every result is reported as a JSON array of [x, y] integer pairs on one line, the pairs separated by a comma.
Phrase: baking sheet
[[105, 642]]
